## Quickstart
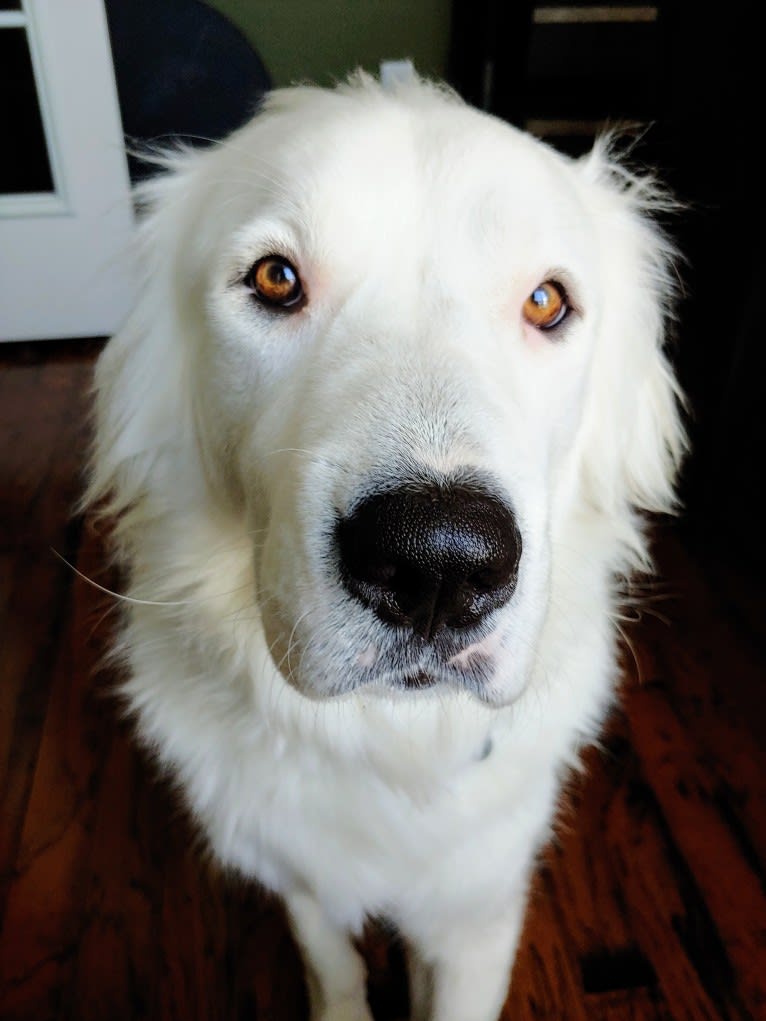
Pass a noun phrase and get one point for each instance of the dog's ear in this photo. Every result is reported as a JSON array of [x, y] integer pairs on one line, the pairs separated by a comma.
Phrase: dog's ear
[[633, 439], [141, 402]]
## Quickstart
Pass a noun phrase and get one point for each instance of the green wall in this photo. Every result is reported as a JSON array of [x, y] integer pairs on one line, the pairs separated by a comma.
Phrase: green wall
[[322, 40]]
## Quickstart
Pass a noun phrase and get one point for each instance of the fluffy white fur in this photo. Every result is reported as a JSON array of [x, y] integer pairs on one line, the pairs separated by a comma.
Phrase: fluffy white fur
[[229, 438]]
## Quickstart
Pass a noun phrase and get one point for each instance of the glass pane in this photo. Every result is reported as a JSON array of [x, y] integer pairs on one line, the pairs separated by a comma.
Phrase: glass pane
[[24, 166]]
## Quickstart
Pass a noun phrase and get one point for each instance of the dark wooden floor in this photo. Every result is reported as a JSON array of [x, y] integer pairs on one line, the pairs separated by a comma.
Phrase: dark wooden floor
[[651, 905]]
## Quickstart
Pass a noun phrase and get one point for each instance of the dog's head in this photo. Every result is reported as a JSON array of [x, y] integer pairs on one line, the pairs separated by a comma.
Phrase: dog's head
[[404, 346]]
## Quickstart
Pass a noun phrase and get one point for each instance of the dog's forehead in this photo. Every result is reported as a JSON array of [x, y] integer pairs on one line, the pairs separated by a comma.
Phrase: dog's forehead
[[431, 172]]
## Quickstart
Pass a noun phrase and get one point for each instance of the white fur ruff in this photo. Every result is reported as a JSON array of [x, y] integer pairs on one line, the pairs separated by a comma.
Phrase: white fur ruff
[[229, 437]]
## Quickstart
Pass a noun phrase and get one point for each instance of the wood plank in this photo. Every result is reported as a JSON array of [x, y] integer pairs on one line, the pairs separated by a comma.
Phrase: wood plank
[[641, 1004], [725, 902], [592, 878], [42, 415], [192, 983], [119, 951], [696, 734], [660, 912], [44, 909], [33, 628], [545, 982], [713, 678]]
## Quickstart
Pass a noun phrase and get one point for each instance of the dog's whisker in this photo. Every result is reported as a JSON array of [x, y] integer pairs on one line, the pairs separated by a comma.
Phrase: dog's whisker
[[633, 653], [121, 597], [286, 657], [117, 595]]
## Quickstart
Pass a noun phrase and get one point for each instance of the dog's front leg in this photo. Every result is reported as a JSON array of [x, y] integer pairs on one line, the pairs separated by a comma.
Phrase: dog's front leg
[[469, 968], [335, 972]]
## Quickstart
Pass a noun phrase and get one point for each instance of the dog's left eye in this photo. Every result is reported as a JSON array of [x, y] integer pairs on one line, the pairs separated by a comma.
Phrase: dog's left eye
[[275, 283], [547, 305]]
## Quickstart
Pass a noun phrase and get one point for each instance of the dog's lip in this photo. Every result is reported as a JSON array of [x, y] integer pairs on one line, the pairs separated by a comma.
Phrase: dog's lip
[[423, 665], [422, 674]]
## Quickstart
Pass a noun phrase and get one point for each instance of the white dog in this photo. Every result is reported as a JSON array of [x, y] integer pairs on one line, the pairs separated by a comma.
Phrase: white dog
[[378, 437]]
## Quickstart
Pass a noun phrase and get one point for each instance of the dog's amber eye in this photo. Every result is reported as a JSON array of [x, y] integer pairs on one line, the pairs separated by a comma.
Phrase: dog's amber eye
[[275, 282], [547, 305]]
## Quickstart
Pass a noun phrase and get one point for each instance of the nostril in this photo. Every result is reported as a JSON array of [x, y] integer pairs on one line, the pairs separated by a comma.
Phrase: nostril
[[430, 557], [486, 579], [382, 574]]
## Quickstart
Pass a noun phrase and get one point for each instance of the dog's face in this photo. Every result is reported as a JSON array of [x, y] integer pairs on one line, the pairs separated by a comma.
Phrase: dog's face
[[407, 325]]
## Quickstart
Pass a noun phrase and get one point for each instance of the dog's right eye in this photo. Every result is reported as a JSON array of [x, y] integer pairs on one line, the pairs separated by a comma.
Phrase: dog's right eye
[[547, 306], [275, 283]]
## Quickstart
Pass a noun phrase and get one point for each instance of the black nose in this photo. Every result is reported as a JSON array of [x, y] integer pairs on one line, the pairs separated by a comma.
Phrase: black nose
[[430, 557]]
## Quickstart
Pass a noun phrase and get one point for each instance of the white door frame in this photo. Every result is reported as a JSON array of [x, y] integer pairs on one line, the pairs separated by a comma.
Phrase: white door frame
[[64, 270]]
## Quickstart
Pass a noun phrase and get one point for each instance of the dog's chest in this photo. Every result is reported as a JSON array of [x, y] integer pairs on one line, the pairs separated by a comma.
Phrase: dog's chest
[[368, 835]]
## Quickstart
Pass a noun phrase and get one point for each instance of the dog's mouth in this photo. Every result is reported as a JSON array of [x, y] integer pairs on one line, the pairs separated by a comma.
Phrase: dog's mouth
[[414, 667], [390, 664]]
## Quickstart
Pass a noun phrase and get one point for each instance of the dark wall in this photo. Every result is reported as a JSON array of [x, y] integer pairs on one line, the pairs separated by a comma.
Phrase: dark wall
[[708, 128], [695, 77]]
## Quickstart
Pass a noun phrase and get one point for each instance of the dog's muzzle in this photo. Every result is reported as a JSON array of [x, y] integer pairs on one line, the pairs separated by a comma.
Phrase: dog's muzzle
[[430, 558]]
